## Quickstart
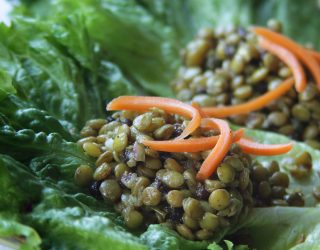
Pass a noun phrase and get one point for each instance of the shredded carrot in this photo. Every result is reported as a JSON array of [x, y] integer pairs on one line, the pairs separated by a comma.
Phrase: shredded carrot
[[295, 48], [250, 147], [289, 59], [190, 145], [197, 106], [315, 54], [143, 103], [217, 154], [252, 105]]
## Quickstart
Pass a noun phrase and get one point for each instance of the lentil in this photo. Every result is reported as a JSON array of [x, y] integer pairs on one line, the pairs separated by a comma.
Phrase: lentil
[[151, 196], [110, 190], [175, 198], [248, 72], [219, 199], [102, 172], [83, 175], [151, 187], [91, 149]]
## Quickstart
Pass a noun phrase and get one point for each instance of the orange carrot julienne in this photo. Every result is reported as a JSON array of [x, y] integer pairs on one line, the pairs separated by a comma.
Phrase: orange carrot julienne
[[315, 54], [289, 59], [250, 147], [295, 48], [190, 145], [143, 103], [217, 154], [252, 105], [197, 106], [237, 135]]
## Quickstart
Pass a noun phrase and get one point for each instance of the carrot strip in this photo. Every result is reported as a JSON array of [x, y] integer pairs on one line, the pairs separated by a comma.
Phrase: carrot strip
[[290, 60], [197, 106], [217, 154], [252, 105], [143, 103], [315, 54], [298, 50], [190, 145], [237, 135], [250, 147]]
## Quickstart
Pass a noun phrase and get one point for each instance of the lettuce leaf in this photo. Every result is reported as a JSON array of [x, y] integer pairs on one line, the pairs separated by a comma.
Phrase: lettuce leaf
[[58, 70], [284, 227], [16, 235], [6, 85], [42, 63]]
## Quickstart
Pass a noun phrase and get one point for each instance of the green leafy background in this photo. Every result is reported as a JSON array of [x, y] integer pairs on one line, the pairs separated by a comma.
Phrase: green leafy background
[[61, 61]]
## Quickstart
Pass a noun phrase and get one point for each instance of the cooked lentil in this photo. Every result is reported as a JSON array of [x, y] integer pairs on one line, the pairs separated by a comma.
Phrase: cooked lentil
[[147, 186], [233, 69]]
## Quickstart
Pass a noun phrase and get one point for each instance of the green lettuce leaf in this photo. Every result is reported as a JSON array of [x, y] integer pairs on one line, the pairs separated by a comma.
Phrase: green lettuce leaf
[[49, 77], [69, 223], [284, 228], [14, 235], [21, 115], [6, 86], [149, 58], [229, 246], [60, 216], [58, 70]]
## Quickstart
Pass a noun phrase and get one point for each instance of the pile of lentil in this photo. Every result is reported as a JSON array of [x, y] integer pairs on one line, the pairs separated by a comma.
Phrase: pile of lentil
[[149, 187], [227, 67]]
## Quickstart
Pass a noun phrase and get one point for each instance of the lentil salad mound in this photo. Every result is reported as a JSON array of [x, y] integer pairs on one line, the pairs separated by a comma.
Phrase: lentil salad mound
[[151, 187], [226, 67]]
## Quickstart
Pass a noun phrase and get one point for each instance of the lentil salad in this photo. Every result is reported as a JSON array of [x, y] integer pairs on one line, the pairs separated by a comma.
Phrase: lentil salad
[[147, 186], [58, 69], [228, 67]]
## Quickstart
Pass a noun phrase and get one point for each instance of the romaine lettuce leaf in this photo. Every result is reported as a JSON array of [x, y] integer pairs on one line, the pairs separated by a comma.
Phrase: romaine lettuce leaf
[[58, 71], [282, 228], [14, 235], [49, 77], [6, 86], [21, 115], [66, 220]]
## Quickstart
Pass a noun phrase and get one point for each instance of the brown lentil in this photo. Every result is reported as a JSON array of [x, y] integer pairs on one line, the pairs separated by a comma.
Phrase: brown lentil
[[83, 175], [147, 186], [248, 71]]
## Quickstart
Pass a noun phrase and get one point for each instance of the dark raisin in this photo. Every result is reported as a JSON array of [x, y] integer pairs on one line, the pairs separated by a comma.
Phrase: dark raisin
[[201, 192], [164, 155], [261, 88], [94, 189], [256, 62], [177, 130], [160, 186], [174, 214]]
